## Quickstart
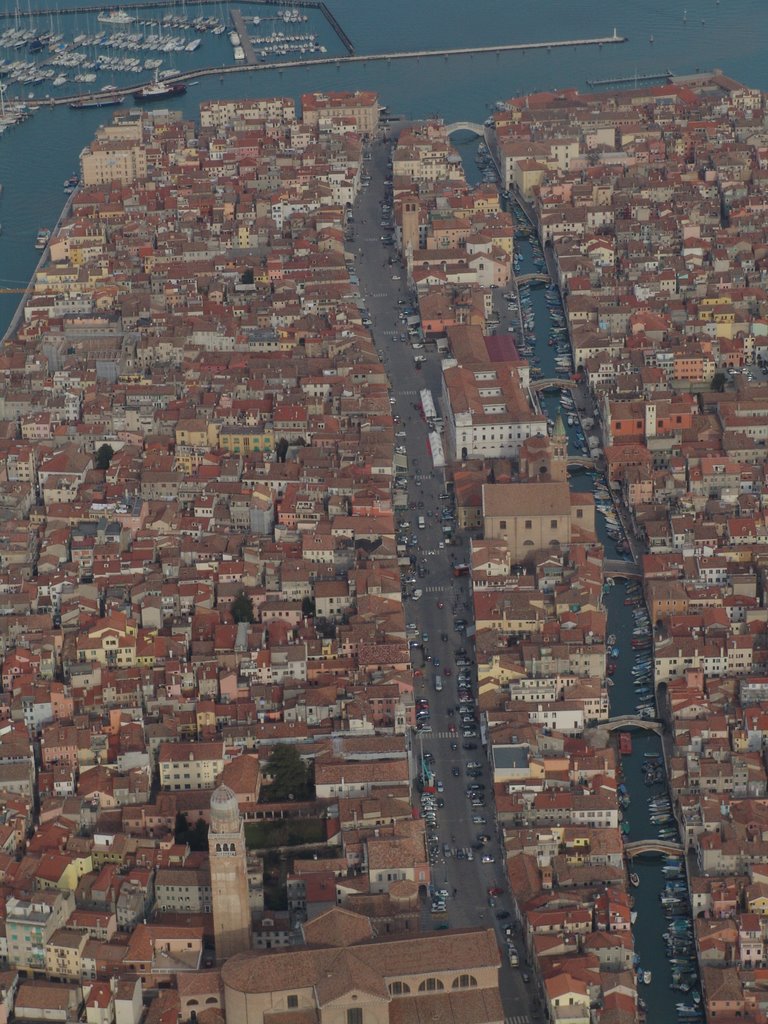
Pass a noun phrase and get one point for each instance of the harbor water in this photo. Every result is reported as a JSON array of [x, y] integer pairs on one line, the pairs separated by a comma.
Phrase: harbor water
[[626, 614], [688, 35]]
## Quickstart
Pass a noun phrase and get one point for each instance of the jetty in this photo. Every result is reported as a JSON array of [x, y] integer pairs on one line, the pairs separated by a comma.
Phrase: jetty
[[662, 76], [228, 69], [245, 40]]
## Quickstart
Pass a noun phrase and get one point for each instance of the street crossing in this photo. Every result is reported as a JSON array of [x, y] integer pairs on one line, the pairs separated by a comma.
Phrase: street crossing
[[518, 1018]]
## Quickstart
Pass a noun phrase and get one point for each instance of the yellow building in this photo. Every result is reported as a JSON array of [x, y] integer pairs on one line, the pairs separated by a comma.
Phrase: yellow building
[[64, 954], [239, 440], [190, 765], [530, 517], [120, 160]]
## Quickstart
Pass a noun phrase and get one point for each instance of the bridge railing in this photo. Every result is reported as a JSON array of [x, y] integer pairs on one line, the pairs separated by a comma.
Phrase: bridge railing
[[464, 126]]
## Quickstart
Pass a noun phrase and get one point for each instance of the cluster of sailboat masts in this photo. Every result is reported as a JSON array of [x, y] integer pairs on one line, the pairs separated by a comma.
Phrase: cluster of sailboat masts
[[33, 56]]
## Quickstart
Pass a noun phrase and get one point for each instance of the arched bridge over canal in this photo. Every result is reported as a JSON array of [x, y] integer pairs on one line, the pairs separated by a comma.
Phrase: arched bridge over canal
[[662, 846], [620, 567], [633, 722], [465, 126], [553, 384]]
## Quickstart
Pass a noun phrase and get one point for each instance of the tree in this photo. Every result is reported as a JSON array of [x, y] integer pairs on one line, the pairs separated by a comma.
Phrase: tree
[[104, 456], [181, 827], [719, 381], [196, 838], [290, 778], [242, 608], [308, 607], [281, 449]]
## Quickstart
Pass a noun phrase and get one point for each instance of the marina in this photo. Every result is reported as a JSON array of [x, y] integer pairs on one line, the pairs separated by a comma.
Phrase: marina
[[499, 48], [63, 49]]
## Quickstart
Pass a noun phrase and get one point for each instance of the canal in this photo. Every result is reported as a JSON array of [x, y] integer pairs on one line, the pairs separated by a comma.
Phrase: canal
[[669, 961]]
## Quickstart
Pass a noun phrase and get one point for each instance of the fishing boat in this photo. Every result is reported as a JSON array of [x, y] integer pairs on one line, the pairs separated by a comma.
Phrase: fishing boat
[[98, 101], [116, 17], [158, 90]]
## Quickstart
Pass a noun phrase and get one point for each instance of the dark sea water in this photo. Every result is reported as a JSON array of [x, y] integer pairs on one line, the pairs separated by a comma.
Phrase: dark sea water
[[37, 156]]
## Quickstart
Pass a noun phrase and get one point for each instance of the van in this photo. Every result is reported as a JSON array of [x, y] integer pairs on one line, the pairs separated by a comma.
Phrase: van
[[422, 523], [438, 683]]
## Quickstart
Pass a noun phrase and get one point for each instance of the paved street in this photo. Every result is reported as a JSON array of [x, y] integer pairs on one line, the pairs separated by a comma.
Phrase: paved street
[[382, 285]]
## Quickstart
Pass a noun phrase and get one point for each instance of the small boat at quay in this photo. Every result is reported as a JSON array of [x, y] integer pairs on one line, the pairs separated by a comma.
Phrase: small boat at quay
[[116, 17]]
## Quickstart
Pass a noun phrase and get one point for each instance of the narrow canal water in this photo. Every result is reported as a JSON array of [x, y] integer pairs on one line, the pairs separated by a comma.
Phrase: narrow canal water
[[662, 962]]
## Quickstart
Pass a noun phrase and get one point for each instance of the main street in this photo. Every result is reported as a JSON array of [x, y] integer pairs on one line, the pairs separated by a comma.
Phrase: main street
[[444, 598]]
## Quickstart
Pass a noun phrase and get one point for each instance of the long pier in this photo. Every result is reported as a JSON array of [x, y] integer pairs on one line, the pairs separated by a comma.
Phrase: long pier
[[245, 40], [344, 39], [630, 79], [460, 51]]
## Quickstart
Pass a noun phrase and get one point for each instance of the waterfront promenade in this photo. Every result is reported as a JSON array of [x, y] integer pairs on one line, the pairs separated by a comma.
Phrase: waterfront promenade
[[458, 51]]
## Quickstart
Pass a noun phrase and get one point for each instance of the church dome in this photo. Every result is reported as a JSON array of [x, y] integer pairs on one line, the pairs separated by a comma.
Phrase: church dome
[[225, 812]]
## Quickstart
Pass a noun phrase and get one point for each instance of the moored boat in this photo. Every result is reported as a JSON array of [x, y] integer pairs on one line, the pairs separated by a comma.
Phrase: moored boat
[[158, 90], [99, 101]]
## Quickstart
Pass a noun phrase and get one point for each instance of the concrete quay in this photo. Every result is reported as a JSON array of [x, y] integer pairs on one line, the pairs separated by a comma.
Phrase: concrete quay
[[242, 30], [460, 51]]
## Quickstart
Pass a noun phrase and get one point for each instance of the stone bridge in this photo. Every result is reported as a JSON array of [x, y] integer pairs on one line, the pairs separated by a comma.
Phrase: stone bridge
[[526, 278], [620, 567], [641, 846], [632, 722], [553, 384], [580, 460], [465, 126]]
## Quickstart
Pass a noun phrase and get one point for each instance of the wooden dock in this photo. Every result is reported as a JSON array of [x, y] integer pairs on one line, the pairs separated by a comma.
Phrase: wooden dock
[[245, 40]]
